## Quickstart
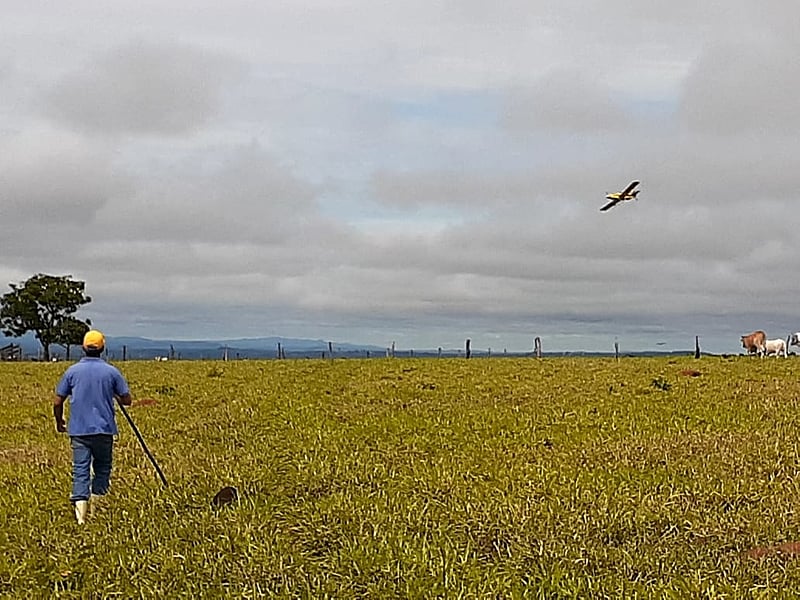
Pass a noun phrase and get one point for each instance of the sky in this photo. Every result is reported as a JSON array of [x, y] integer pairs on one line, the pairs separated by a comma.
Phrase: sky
[[419, 172]]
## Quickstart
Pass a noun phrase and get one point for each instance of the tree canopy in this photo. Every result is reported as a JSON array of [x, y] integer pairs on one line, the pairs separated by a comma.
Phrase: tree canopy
[[45, 305], [71, 331]]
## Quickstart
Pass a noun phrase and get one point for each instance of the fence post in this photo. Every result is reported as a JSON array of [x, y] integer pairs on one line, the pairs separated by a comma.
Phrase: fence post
[[537, 347], [697, 346], [468, 351]]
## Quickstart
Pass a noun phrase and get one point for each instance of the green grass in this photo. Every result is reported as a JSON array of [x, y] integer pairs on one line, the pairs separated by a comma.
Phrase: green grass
[[416, 478]]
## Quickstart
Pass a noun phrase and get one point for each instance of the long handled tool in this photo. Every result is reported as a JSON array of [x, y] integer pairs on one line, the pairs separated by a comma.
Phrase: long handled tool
[[144, 446]]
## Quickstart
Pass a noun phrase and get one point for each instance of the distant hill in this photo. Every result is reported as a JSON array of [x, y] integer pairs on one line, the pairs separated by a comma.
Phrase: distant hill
[[266, 347]]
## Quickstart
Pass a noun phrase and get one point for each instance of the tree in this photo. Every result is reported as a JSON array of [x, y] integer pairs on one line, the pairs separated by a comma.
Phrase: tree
[[44, 304], [71, 332]]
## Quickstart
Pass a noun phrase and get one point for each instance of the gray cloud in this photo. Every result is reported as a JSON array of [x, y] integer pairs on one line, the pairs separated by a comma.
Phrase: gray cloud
[[424, 172], [566, 100], [476, 191], [51, 182], [743, 86], [144, 88], [221, 195]]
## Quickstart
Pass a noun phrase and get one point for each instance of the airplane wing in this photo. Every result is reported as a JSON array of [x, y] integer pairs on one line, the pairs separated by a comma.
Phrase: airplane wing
[[611, 204], [630, 187]]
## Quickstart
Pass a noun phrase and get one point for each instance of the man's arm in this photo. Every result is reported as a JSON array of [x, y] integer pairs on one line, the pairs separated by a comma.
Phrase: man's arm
[[121, 391], [58, 413]]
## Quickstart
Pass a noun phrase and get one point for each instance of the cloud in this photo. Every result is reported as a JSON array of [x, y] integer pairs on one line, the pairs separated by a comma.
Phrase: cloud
[[471, 191], [144, 87], [51, 182], [568, 101], [221, 194], [744, 86], [424, 171]]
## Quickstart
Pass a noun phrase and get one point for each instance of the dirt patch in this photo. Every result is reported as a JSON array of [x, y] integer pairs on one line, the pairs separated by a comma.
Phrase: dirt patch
[[690, 373], [785, 550], [225, 496], [145, 402]]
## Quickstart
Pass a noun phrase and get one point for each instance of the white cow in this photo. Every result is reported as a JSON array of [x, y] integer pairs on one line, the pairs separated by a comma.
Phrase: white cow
[[776, 347]]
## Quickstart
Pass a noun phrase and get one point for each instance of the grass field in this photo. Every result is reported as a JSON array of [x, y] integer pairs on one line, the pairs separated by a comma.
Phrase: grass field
[[416, 478]]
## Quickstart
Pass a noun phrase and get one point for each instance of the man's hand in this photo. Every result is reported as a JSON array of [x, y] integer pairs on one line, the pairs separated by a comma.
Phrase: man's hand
[[58, 413], [124, 399]]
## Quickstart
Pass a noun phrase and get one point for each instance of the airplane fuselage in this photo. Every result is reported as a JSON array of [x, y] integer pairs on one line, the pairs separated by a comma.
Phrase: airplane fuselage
[[616, 197], [622, 197]]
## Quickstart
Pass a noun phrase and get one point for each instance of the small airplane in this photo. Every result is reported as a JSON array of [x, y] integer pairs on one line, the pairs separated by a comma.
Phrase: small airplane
[[623, 196]]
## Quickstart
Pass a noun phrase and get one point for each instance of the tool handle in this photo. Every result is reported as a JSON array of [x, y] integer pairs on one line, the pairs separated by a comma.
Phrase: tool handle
[[144, 446]]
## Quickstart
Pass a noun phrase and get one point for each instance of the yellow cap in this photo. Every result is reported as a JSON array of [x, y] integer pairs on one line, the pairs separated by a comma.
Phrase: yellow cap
[[94, 339]]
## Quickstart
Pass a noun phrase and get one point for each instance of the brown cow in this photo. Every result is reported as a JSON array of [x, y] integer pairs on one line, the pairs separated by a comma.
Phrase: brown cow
[[755, 342]]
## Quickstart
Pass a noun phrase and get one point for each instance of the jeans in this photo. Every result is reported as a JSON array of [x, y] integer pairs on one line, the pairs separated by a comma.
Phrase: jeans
[[90, 453]]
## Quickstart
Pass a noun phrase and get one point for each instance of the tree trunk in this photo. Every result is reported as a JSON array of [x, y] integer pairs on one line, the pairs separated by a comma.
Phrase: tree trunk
[[45, 350]]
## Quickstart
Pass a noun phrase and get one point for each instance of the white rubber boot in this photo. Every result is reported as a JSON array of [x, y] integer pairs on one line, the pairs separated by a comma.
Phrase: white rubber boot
[[81, 508]]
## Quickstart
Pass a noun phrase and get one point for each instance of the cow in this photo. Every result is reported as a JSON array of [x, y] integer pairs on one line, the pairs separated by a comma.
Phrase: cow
[[755, 342], [794, 339], [776, 347]]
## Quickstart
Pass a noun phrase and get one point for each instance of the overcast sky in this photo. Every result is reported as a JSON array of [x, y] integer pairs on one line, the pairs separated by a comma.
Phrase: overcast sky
[[419, 171]]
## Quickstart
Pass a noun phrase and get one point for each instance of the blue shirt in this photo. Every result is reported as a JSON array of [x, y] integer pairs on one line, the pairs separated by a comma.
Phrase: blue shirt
[[92, 384]]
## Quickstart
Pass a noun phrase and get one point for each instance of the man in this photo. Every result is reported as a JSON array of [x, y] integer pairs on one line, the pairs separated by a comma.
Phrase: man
[[92, 385]]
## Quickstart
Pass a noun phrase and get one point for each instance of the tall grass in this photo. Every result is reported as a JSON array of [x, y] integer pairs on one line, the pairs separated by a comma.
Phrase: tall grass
[[416, 478]]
